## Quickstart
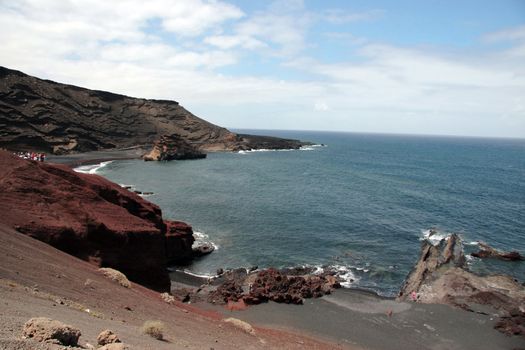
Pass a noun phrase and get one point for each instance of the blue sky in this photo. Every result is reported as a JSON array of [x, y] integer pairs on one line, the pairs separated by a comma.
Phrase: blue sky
[[419, 67]]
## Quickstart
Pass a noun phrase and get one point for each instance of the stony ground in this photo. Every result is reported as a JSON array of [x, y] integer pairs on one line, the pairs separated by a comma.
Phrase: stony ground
[[38, 280]]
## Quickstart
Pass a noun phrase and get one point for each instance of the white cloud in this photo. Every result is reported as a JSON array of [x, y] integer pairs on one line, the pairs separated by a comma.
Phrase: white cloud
[[511, 34], [321, 106], [111, 46], [339, 16]]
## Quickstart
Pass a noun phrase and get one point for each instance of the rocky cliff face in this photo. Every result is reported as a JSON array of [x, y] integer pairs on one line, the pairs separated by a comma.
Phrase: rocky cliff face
[[91, 218], [42, 115]]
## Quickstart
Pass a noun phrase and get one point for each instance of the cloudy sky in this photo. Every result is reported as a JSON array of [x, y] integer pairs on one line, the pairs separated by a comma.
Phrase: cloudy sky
[[418, 67]]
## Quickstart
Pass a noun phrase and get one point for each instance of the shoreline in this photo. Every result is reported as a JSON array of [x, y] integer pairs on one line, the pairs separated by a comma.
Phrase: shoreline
[[356, 318], [94, 157]]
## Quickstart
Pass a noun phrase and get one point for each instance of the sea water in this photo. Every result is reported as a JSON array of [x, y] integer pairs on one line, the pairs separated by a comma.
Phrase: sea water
[[360, 204]]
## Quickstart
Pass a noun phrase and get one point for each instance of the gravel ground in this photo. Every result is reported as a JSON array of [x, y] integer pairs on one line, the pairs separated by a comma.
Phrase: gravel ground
[[37, 280]]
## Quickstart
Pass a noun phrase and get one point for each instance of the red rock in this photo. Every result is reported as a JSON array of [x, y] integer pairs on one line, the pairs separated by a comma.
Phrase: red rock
[[179, 240], [89, 217]]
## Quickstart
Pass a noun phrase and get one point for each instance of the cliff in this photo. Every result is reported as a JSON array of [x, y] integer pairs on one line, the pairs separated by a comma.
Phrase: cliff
[[42, 115], [92, 218]]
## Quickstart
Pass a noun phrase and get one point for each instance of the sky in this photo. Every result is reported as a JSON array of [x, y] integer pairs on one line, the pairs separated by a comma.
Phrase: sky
[[411, 67]]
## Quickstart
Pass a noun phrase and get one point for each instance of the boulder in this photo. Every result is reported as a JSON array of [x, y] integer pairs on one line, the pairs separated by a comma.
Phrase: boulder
[[203, 249], [244, 326], [116, 276], [107, 337], [44, 329]]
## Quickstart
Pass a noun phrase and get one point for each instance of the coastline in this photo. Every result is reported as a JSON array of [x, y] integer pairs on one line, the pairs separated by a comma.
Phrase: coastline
[[88, 158], [351, 316], [357, 318]]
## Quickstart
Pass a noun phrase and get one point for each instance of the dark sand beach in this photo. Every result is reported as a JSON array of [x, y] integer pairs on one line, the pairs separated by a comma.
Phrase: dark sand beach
[[78, 159], [359, 318]]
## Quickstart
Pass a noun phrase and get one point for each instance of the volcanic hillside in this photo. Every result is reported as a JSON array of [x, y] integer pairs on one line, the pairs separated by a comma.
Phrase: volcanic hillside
[[43, 115]]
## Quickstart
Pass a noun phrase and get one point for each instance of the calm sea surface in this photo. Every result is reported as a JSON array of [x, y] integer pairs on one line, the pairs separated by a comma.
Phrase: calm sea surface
[[361, 204]]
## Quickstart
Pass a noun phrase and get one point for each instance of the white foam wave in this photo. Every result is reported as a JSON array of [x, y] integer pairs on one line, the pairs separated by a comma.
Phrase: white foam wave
[[302, 148], [474, 243], [201, 275], [345, 273], [202, 238], [92, 168], [434, 236], [311, 147]]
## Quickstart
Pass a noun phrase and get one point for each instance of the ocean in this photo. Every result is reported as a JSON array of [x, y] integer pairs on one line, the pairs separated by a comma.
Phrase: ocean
[[357, 203]]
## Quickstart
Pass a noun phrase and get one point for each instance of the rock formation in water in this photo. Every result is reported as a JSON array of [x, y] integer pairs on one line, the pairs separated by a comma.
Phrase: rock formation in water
[[487, 251], [440, 276], [41, 115], [92, 218]]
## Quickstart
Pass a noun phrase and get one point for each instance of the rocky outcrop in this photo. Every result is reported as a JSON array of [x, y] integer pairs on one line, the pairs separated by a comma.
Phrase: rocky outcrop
[[173, 147], [487, 251], [44, 329], [42, 115], [254, 142], [440, 276], [91, 218], [179, 241], [272, 285]]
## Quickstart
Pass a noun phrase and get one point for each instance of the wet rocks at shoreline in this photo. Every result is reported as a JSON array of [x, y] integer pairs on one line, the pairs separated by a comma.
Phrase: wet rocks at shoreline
[[441, 277], [487, 251], [272, 285]]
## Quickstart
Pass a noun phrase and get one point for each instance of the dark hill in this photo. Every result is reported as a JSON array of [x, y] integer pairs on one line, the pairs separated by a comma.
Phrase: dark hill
[[42, 115]]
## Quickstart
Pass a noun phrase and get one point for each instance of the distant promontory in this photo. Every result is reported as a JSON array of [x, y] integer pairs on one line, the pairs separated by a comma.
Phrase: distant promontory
[[42, 115]]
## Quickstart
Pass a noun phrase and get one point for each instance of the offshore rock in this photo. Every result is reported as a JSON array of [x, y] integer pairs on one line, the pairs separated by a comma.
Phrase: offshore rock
[[92, 218], [440, 277], [487, 251], [203, 249]]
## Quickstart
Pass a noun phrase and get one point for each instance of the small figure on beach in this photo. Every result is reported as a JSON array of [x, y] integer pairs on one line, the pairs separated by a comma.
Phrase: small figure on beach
[[413, 296]]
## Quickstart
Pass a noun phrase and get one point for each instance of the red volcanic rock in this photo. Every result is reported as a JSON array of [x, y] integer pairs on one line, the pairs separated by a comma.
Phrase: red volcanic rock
[[89, 217], [179, 239], [272, 284], [230, 290]]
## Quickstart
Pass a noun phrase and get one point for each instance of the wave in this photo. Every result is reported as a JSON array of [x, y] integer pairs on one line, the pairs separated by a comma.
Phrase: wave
[[344, 273], [302, 148], [434, 236], [202, 238], [92, 168], [200, 275], [311, 147]]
